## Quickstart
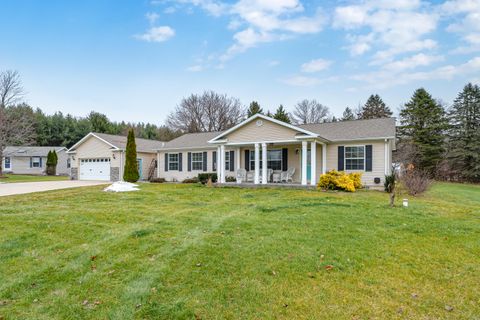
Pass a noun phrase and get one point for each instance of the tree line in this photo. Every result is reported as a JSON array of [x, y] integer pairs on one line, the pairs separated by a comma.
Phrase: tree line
[[443, 142]]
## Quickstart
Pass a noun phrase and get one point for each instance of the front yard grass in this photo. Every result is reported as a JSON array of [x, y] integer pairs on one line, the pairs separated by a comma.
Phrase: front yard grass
[[10, 178], [191, 252]]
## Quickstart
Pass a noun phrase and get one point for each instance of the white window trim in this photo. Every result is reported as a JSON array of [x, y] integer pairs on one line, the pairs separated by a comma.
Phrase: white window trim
[[196, 161], [39, 162], [172, 162], [9, 162], [364, 157], [261, 160]]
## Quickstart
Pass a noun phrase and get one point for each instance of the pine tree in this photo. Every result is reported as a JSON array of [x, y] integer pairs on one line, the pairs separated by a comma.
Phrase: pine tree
[[254, 108], [130, 172], [348, 114], [52, 160], [374, 108], [464, 134], [281, 115], [423, 124], [269, 114]]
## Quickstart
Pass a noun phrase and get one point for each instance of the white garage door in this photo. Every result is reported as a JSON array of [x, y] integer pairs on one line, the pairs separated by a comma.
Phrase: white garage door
[[95, 169]]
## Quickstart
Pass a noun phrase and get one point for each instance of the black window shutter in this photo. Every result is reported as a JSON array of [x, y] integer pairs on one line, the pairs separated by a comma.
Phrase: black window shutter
[[31, 162], [247, 160], [204, 161], [166, 162], [284, 159], [40, 162], [341, 158], [214, 160], [180, 161], [189, 162], [368, 157], [232, 160]]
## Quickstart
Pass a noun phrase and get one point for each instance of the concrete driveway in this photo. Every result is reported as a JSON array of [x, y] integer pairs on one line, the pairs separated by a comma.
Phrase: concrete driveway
[[8, 189]]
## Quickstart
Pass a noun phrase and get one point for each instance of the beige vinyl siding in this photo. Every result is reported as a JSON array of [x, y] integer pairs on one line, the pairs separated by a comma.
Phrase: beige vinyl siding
[[179, 176], [269, 131], [94, 148], [146, 162], [62, 163], [378, 160], [21, 165]]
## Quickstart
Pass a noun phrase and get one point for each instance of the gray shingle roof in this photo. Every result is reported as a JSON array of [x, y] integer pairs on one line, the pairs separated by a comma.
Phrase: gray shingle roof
[[29, 151], [332, 131], [354, 129], [143, 145], [192, 140]]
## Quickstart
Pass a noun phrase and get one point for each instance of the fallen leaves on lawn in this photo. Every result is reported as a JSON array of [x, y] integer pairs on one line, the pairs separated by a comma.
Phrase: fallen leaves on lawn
[[328, 267], [92, 258]]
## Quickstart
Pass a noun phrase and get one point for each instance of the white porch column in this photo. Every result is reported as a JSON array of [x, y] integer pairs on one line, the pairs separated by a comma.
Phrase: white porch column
[[386, 157], [256, 180], [313, 163], [219, 169], [158, 164], [222, 163], [324, 158], [264, 161], [304, 162], [237, 159]]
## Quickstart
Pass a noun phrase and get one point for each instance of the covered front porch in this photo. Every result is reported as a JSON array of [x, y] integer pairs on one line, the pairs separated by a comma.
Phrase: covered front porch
[[289, 164]]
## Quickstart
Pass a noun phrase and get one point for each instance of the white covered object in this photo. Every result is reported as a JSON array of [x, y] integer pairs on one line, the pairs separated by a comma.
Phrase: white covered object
[[122, 186]]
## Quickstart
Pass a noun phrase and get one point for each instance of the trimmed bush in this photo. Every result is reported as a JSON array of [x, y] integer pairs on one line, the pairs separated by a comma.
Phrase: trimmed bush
[[130, 173], [157, 180], [52, 161], [203, 177], [230, 179], [335, 180], [190, 180]]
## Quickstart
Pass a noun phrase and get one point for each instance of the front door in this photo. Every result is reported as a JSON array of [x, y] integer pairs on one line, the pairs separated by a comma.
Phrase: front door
[[139, 165]]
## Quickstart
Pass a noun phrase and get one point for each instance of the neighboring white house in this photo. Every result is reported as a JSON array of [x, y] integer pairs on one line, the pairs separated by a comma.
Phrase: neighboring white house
[[33, 160], [100, 156], [304, 151]]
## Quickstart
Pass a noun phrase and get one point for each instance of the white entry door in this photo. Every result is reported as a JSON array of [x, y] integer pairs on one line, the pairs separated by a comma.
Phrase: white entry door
[[95, 169]]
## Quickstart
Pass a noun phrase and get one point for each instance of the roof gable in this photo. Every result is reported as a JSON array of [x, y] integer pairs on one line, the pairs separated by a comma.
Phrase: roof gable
[[263, 127], [119, 142]]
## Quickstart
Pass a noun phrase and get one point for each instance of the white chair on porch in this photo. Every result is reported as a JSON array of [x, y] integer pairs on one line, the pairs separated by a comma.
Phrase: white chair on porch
[[287, 176], [250, 176], [241, 175]]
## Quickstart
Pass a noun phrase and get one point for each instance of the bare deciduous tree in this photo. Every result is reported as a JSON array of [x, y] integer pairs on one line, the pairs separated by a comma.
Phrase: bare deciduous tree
[[17, 125], [207, 112], [11, 90], [310, 111]]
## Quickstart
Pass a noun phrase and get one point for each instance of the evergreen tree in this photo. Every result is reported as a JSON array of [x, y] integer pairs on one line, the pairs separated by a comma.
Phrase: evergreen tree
[[52, 160], [374, 108], [423, 124], [464, 134], [130, 172], [269, 114], [281, 115], [254, 108], [348, 114]]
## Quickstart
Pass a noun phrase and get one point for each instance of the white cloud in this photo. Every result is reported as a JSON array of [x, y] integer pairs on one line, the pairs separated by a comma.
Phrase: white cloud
[[152, 17], [195, 68], [301, 81], [412, 62], [170, 10], [273, 63], [467, 23], [387, 78], [316, 65], [157, 34], [394, 27]]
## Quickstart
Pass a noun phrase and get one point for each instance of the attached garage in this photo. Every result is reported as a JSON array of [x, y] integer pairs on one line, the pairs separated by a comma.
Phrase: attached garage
[[95, 169], [100, 156]]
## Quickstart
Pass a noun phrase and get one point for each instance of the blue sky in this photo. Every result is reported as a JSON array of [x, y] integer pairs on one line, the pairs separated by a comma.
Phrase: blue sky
[[135, 60]]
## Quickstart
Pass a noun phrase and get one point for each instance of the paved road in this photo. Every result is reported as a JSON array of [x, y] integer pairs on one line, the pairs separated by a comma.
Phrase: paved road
[[8, 189]]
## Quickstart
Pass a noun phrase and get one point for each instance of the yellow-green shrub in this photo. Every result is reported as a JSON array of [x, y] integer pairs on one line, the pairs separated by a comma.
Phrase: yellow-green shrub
[[357, 179], [335, 180]]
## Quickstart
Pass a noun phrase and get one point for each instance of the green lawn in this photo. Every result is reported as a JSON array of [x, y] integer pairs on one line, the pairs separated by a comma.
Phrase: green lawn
[[9, 178], [191, 252]]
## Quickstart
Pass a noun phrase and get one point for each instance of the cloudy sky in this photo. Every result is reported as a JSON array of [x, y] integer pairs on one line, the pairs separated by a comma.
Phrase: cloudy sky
[[135, 60]]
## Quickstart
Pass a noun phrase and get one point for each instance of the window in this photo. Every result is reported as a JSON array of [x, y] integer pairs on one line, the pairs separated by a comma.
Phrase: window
[[7, 163], [197, 160], [68, 163], [274, 159], [227, 161], [36, 162], [173, 161], [355, 158]]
